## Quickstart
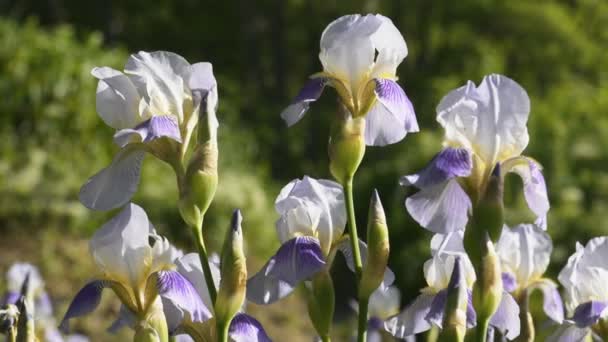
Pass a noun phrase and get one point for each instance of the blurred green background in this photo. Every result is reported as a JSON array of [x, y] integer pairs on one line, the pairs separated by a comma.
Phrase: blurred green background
[[262, 52]]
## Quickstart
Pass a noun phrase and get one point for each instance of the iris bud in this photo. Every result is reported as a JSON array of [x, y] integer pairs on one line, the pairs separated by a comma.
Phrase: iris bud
[[233, 271], [377, 248], [488, 289], [489, 213], [321, 302], [26, 329], [455, 317], [346, 145], [153, 328]]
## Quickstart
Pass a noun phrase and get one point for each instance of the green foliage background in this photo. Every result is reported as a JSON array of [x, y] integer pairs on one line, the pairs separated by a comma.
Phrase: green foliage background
[[262, 52]]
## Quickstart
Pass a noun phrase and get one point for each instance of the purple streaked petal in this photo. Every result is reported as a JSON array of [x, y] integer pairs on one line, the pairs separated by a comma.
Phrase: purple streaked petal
[[391, 117], [311, 92], [588, 313], [569, 332], [85, 301], [441, 208], [11, 297], [506, 317], [412, 320], [552, 301], [114, 186], [509, 283], [447, 164], [245, 328], [296, 260], [180, 299], [125, 319], [156, 127], [345, 247], [435, 315]]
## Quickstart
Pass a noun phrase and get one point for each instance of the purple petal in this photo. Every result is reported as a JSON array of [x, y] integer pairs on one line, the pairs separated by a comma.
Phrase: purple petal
[[375, 323], [296, 260], [435, 315], [568, 332], [85, 301], [245, 328], [180, 299], [114, 186], [156, 127], [391, 117], [441, 208], [506, 317], [535, 188], [471, 314], [311, 92], [345, 247], [588, 313], [412, 320], [447, 164], [10, 298], [125, 319], [552, 301], [509, 283]]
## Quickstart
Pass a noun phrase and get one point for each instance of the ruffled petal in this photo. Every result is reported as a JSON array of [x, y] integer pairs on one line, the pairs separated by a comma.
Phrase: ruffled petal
[[117, 98], [412, 320], [120, 247], [245, 328], [311, 92], [180, 299], [296, 260], [154, 128], [552, 301], [587, 314], [391, 117], [447, 164], [346, 248], [85, 301], [535, 189], [506, 317], [391, 48], [441, 208]]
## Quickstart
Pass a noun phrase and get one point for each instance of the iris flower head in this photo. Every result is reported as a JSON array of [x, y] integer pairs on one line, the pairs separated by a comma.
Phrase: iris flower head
[[360, 55]]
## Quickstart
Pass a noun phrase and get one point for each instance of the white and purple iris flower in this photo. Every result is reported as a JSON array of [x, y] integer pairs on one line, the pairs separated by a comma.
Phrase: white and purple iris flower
[[139, 267], [428, 308], [313, 217], [383, 303], [360, 55], [153, 107], [584, 279], [485, 131], [525, 252]]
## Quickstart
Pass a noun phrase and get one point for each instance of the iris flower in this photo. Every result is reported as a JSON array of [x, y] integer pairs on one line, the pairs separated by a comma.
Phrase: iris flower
[[152, 106], [525, 252], [310, 229], [139, 267], [360, 55], [485, 130], [428, 308], [585, 278]]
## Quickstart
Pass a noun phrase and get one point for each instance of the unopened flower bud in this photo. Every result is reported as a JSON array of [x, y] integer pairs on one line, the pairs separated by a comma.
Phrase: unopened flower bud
[[346, 145], [489, 213], [233, 271], [488, 289], [153, 328], [26, 329], [377, 248], [455, 317], [321, 302]]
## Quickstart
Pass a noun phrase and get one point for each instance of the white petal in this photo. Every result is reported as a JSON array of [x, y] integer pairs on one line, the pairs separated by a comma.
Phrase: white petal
[[445, 249], [490, 119], [384, 302], [189, 266], [535, 188], [159, 78], [120, 247], [391, 48], [412, 320], [114, 186], [117, 99], [16, 274]]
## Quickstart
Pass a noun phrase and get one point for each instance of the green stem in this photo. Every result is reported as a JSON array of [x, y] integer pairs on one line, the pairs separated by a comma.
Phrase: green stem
[[222, 331], [433, 334], [354, 242], [481, 333], [362, 332], [12, 335], [325, 338], [202, 252]]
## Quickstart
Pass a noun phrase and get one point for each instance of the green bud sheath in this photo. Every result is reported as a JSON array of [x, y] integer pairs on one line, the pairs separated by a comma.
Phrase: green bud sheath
[[25, 326], [321, 302], [346, 146], [233, 270], [488, 215], [487, 292], [378, 248], [153, 325], [455, 317]]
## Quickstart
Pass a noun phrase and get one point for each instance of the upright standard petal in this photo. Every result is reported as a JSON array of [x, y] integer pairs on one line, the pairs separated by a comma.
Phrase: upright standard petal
[[16, 275], [524, 251], [445, 165], [161, 126], [114, 186], [117, 98], [311, 92], [506, 317], [296, 260], [180, 299], [412, 320], [85, 301], [489, 120], [441, 208], [120, 247], [201, 77], [391, 117], [391, 48], [245, 328]]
